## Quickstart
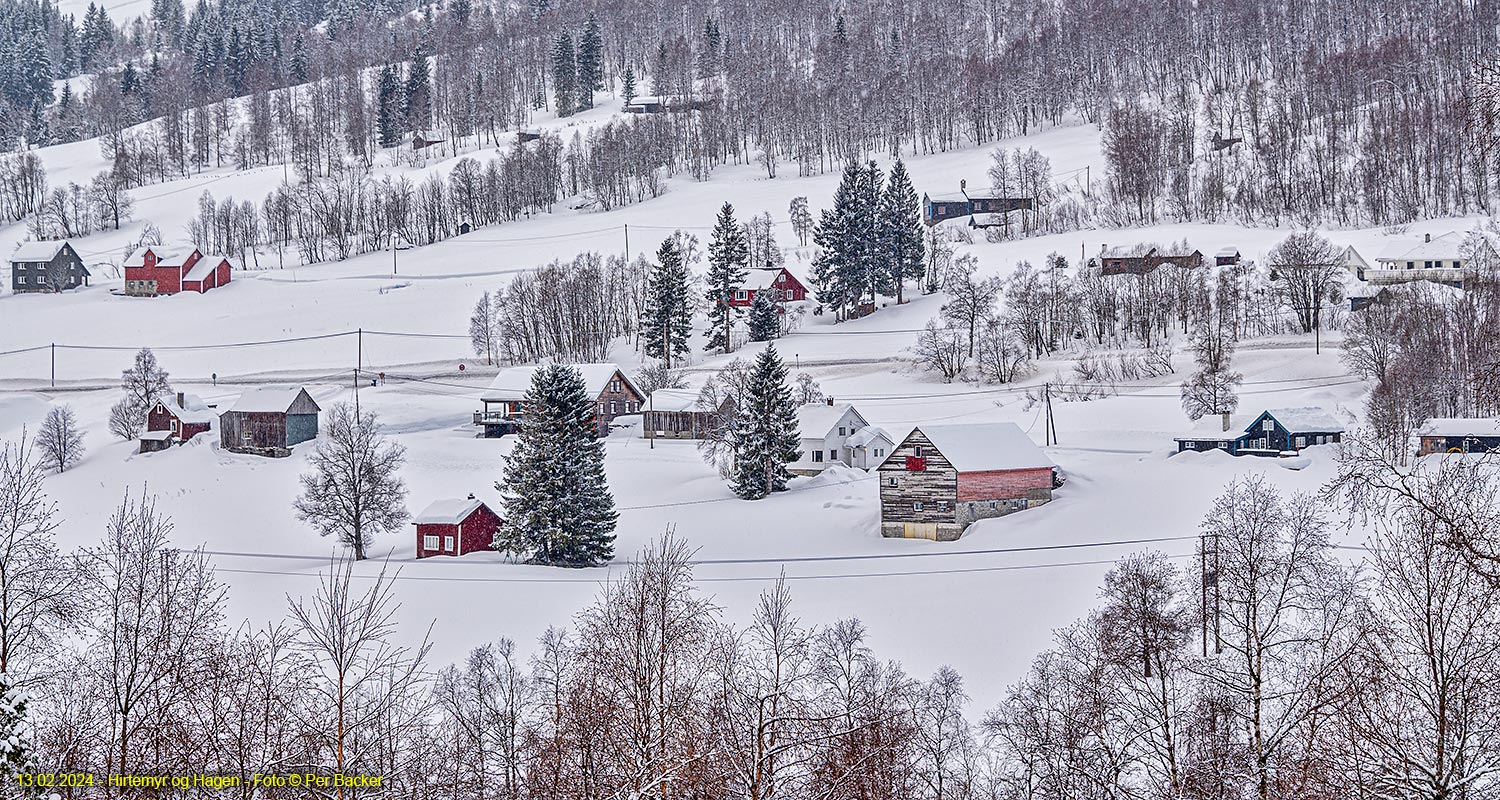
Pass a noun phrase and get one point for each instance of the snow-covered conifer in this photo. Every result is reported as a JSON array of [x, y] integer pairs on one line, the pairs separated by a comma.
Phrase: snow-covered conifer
[[727, 256], [765, 430], [902, 253], [765, 317], [558, 507], [667, 320]]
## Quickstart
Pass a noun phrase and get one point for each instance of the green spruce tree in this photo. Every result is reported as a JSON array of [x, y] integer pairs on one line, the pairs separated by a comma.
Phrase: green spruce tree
[[418, 104], [627, 85], [902, 250], [836, 266], [564, 76], [765, 430], [16, 754], [668, 319], [388, 98], [590, 63], [558, 508], [728, 254], [765, 317]]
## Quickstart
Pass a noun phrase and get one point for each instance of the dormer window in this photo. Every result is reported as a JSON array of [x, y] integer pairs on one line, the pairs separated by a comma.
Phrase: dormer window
[[1268, 425]]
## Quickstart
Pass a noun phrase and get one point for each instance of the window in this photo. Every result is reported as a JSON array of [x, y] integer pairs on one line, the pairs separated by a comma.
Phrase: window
[[1428, 264], [879, 452], [917, 451], [842, 431], [740, 294], [429, 542], [892, 481], [448, 543], [22, 280], [780, 279], [614, 385], [614, 407], [942, 505], [833, 455], [1301, 442], [1268, 425], [1190, 445], [994, 505], [917, 506], [817, 456], [601, 407], [1457, 264], [786, 294]]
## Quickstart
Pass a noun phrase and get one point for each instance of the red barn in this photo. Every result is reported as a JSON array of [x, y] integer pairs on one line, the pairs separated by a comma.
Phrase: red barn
[[183, 416], [779, 280], [942, 478], [161, 269], [455, 528]]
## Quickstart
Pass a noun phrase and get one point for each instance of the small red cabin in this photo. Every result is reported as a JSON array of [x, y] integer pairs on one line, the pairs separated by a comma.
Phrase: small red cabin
[[156, 270], [183, 416], [779, 280], [455, 528]]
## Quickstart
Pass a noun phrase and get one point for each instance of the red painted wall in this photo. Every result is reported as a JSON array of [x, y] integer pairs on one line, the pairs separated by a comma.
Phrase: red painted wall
[[789, 281], [168, 279], [1002, 484], [475, 533], [159, 419]]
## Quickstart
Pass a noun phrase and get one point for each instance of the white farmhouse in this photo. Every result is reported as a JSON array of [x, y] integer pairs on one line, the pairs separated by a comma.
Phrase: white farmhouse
[[832, 433], [1441, 259]]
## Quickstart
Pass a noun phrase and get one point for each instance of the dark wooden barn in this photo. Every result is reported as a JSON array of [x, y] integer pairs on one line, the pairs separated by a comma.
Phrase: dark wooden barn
[[269, 421], [961, 205]]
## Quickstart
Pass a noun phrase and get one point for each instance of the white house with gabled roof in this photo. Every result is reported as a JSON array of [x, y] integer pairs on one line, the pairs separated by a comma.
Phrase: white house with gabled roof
[[836, 433]]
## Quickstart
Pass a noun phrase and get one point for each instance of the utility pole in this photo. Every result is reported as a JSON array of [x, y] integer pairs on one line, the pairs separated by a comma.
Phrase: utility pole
[[356, 395], [54, 365], [394, 237], [651, 418], [1049, 425], [627, 243]]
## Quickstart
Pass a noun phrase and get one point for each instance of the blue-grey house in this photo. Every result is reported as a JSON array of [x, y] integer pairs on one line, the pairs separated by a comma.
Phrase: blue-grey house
[[1453, 435], [1269, 433]]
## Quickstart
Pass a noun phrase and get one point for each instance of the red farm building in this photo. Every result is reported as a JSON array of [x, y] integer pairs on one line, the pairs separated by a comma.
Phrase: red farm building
[[455, 528], [183, 416], [942, 478], [779, 280], [162, 269]]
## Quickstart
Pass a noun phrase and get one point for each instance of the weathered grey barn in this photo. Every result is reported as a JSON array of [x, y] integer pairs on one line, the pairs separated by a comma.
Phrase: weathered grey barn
[[269, 420]]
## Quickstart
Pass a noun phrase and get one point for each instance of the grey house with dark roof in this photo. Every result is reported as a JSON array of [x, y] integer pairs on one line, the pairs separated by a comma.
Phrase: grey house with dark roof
[[46, 267]]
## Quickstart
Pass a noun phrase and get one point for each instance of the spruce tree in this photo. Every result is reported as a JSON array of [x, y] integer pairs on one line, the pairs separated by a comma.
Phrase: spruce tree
[[765, 430], [387, 114], [728, 253], [765, 317], [627, 85], [870, 276], [590, 63], [564, 75], [16, 754], [419, 92], [668, 317], [558, 508], [836, 265], [901, 244]]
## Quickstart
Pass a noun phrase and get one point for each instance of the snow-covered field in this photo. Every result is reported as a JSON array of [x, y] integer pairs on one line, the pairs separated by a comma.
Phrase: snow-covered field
[[984, 604]]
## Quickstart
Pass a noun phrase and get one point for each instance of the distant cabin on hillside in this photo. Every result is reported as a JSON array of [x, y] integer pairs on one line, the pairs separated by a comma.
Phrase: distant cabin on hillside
[[269, 421], [614, 395], [51, 266], [1227, 257], [1455, 435], [1269, 433], [455, 528], [183, 416], [780, 281], [942, 478], [963, 204], [1144, 259], [169, 269]]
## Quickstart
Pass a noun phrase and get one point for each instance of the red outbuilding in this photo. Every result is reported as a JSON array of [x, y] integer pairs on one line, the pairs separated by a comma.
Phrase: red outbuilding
[[778, 280], [183, 416], [162, 269], [455, 528]]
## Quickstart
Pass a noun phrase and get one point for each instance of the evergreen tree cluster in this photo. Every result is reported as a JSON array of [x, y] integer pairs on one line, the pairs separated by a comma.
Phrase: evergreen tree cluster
[[870, 241], [558, 507], [403, 103], [578, 72]]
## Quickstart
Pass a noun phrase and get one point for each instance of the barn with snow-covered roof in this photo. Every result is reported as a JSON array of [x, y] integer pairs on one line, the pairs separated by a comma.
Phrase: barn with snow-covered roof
[[942, 478], [269, 420], [455, 527], [168, 269]]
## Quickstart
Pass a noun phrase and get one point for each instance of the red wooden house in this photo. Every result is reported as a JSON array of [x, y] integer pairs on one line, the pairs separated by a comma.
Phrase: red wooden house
[[455, 528], [183, 416], [160, 269], [776, 279]]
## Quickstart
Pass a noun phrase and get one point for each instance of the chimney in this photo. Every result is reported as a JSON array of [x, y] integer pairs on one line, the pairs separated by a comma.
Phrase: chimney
[[1427, 237], [1225, 415], [471, 495], [180, 403], [830, 400]]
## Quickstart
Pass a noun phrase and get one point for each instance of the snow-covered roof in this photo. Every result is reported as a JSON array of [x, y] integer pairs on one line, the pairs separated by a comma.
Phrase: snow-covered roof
[[167, 255], [1126, 251], [985, 446], [447, 512], [155, 436], [1447, 247], [267, 399], [761, 278], [1212, 427], [868, 435], [203, 268], [1459, 426], [817, 420], [37, 251], [673, 400], [512, 383], [192, 409], [1352, 259], [1225, 252], [1308, 419]]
